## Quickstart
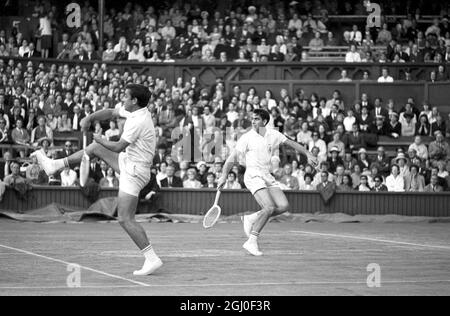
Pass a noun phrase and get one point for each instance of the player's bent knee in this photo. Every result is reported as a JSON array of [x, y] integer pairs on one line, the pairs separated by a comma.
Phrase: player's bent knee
[[282, 208]]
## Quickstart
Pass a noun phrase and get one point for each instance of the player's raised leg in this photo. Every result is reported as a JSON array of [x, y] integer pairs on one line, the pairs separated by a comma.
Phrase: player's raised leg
[[52, 166], [127, 205]]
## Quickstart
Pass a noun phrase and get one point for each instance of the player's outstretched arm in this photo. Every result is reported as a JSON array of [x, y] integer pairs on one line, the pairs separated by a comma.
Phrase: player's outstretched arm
[[299, 148], [102, 115], [229, 163], [116, 147]]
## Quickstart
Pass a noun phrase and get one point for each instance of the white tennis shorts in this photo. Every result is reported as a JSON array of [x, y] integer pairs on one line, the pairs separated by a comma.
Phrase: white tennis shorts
[[256, 181], [133, 176]]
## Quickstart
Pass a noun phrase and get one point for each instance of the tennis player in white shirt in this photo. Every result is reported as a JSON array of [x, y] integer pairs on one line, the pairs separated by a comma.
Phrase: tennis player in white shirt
[[131, 156], [256, 147]]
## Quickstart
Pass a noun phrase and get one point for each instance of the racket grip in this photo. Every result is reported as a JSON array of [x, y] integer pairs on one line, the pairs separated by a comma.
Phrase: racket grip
[[216, 201]]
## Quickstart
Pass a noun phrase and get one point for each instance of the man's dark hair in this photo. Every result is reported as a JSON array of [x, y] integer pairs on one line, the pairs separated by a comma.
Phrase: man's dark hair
[[141, 93], [265, 116]]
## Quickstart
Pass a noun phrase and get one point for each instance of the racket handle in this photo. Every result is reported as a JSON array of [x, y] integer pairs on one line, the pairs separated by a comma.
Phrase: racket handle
[[216, 201]]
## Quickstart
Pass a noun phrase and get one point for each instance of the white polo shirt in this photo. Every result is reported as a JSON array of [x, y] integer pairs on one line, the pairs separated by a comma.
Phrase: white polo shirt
[[140, 133], [257, 150]]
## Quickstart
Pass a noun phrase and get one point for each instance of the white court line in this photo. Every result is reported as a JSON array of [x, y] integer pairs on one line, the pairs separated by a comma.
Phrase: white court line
[[68, 263], [312, 283], [370, 239]]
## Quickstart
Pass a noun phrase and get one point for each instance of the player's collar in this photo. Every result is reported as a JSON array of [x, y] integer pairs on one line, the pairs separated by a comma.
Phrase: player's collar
[[138, 112]]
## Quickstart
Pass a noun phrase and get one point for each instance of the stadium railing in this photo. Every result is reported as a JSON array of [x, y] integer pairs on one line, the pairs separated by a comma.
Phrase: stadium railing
[[197, 201]]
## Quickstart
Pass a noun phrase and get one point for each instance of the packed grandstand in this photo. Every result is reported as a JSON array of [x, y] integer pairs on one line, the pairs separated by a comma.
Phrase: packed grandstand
[[52, 76]]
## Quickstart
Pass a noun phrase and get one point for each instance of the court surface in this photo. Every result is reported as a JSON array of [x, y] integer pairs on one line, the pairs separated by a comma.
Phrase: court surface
[[299, 259]]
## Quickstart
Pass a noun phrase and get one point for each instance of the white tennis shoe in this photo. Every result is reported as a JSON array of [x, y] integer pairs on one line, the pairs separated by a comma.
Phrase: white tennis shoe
[[46, 163], [252, 248], [149, 267]]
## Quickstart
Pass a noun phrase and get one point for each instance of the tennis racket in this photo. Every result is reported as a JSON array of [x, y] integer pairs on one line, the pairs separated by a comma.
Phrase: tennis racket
[[213, 214]]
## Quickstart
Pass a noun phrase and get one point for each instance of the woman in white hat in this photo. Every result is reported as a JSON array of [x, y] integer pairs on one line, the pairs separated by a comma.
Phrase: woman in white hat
[[363, 159]]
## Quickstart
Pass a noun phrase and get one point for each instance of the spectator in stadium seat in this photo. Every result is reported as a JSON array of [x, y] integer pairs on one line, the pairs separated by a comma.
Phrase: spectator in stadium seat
[[210, 181], [171, 181], [14, 177], [423, 127], [384, 36], [331, 41], [344, 77], [434, 185], [316, 44], [352, 55], [355, 140], [438, 125], [41, 132], [68, 177], [20, 136], [232, 183], [447, 127], [395, 182], [290, 182], [414, 182], [408, 126], [110, 181], [385, 78], [316, 142], [394, 127], [191, 182], [364, 185], [307, 184], [439, 150], [379, 186]]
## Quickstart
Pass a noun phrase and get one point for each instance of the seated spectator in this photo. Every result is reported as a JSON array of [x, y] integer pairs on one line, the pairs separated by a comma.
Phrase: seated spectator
[[379, 186], [408, 125], [316, 44], [110, 181], [14, 177], [316, 142], [112, 134], [20, 136], [64, 123], [434, 185], [414, 182], [364, 185], [136, 54], [385, 76], [346, 185], [352, 55], [191, 182], [42, 131], [231, 182], [210, 181], [394, 127], [307, 185], [439, 150], [171, 181], [68, 177], [438, 125], [344, 77], [288, 180], [423, 127], [395, 182]]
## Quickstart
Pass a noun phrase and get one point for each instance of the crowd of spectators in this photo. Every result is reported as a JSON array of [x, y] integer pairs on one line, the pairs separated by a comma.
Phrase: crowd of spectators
[[38, 102], [272, 31]]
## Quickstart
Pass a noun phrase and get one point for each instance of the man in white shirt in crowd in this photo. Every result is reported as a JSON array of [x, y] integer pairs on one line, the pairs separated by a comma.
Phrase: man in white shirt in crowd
[[385, 78], [352, 56], [395, 182]]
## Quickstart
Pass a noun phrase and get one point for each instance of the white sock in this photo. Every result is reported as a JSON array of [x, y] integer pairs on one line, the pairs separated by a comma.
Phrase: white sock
[[253, 237], [149, 253]]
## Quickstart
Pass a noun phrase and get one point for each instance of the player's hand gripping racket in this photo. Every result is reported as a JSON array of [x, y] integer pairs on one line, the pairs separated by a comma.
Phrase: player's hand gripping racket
[[213, 214]]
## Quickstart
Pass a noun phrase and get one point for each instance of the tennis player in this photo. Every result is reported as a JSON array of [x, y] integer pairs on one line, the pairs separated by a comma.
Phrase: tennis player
[[256, 147], [131, 156]]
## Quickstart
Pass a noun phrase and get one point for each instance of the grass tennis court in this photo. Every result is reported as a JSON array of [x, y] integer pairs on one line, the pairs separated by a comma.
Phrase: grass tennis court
[[299, 259]]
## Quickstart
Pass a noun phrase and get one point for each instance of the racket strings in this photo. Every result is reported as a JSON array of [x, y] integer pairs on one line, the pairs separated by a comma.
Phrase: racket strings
[[211, 216]]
